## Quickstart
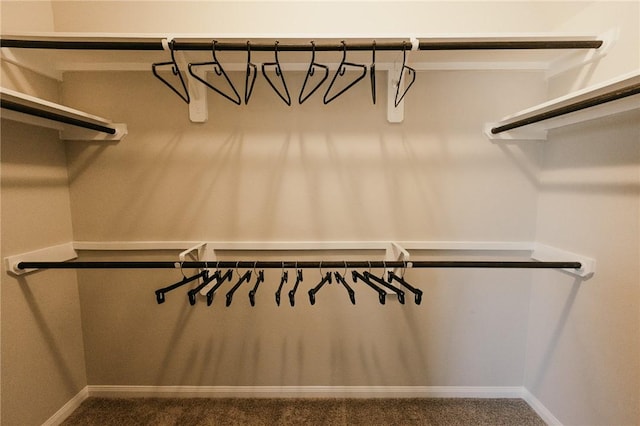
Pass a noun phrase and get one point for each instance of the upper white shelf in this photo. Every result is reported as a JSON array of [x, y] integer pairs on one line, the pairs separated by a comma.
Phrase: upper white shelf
[[72, 124], [53, 54], [610, 97]]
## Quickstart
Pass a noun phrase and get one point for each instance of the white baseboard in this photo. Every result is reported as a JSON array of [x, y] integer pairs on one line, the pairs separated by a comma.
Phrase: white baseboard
[[539, 408], [67, 408], [109, 391], [307, 391]]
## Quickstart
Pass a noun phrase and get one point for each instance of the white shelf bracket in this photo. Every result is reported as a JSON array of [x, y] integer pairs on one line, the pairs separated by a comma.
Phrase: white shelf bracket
[[526, 133], [195, 252], [395, 252], [59, 253], [69, 133], [543, 253], [580, 58]]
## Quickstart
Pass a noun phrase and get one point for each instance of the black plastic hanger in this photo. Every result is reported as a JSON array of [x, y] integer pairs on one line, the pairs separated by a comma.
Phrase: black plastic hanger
[[186, 280], [411, 72], [341, 280], [416, 291], [248, 88], [245, 277], [217, 68], [252, 292], [372, 72], [313, 291], [279, 73], [312, 66], [396, 290], [292, 292], [175, 69], [283, 279], [191, 294], [342, 68], [358, 276], [227, 276]]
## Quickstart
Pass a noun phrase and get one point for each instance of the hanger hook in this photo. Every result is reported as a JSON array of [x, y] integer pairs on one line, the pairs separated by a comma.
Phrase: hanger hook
[[321, 269], [411, 72], [372, 72], [345, 268], [216, 68], [369, 262], [174, 68], [312, 69], [181, 271], [275, 51], [248, 81], [343, 69]]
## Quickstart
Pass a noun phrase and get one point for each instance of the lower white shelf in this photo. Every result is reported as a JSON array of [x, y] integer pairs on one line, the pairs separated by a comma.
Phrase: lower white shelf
[[72, 124], [611, 97]]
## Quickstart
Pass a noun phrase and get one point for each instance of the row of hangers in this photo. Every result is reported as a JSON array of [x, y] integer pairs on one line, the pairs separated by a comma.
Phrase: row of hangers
[[217, 278], [283, 92]]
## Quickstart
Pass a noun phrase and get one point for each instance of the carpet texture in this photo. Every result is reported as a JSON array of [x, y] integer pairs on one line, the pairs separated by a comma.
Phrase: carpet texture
[[246, 411]]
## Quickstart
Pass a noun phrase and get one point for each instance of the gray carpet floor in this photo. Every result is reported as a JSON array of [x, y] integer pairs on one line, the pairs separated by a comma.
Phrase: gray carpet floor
[[248, 411]]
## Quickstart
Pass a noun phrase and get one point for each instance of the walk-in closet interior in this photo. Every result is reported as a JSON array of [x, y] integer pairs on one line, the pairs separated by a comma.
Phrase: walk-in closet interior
[[336, 199]]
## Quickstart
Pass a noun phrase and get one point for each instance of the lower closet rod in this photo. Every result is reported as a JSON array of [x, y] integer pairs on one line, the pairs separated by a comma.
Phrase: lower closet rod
[[300, 265], [13, 106]]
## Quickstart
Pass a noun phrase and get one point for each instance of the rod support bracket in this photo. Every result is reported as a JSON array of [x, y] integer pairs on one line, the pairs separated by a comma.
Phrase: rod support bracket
[[542, 252], [59, 253]]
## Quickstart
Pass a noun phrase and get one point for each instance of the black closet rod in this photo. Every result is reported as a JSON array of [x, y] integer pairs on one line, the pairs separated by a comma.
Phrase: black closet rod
[[300, 265], [397, 45], [157, 44], [13, 106], [576, 106], [69, 44]]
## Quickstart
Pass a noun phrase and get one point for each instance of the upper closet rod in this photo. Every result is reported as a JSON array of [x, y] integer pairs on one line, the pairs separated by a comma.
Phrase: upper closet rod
[[158, 44], [300, 264], [75, 44]]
